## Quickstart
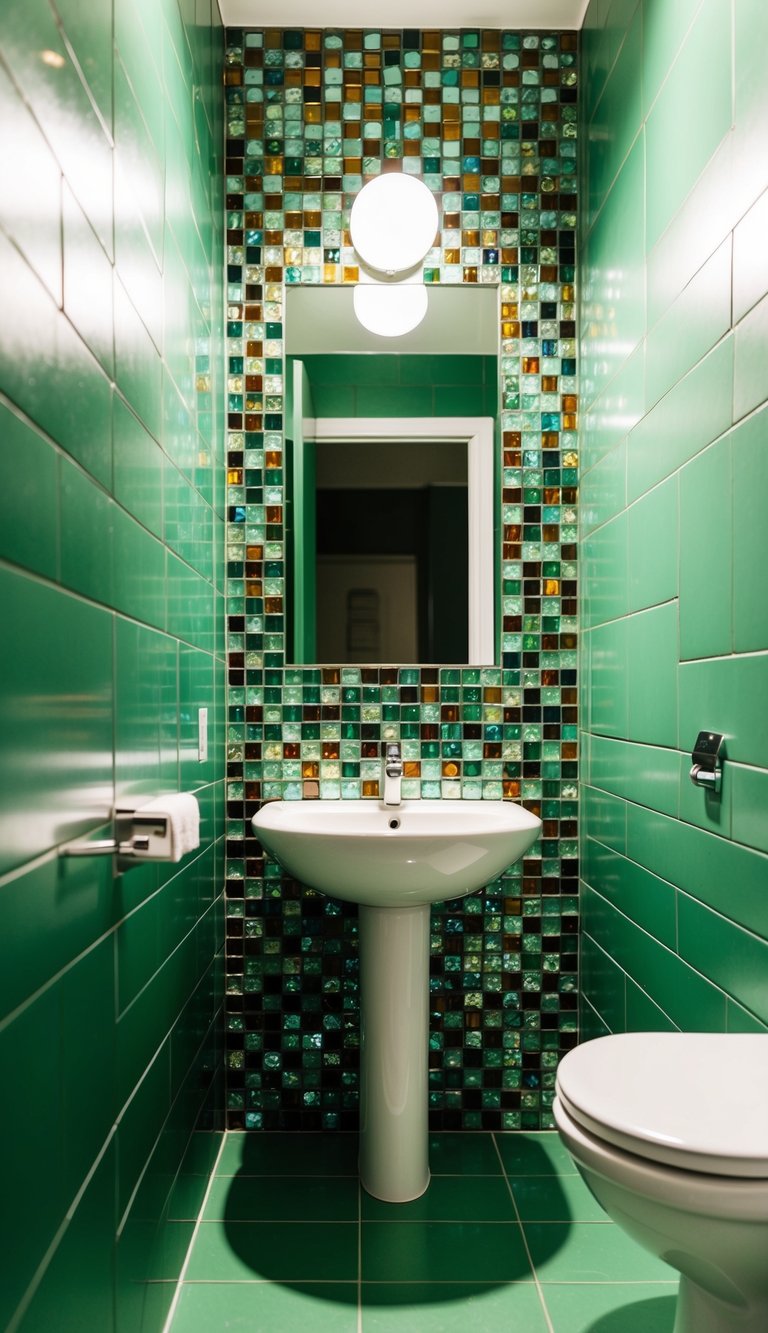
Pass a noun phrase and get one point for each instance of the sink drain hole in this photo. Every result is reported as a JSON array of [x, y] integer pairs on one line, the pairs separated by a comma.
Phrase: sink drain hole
[[394, 823]]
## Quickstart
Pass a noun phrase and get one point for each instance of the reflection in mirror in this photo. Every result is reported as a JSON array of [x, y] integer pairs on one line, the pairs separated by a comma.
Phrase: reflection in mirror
[[390, 519]]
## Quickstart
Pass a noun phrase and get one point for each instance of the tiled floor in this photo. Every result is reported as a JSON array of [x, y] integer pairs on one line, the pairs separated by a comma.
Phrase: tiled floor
[[507, 1239]]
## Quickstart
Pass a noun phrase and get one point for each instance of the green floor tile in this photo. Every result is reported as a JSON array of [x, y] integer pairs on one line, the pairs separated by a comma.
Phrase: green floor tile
[[548, 1199], [536, 1154], [266, 1307], [449, 1199], [632, 1307], [443, 1252], [463, 1155], [276, 1251], [289, 1155], [590, 1252], [457, 1307], [284, 1199]]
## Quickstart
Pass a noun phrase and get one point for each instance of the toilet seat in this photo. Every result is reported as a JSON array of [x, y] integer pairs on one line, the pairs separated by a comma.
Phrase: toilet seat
[[696, 1101]]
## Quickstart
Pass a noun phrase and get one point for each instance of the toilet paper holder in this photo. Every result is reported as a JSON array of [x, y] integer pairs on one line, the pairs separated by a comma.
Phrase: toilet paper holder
[[707, 761], [139, 836]]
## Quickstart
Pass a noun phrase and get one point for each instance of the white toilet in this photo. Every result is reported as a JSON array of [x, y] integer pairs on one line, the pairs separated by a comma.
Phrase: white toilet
[[670, 1132]]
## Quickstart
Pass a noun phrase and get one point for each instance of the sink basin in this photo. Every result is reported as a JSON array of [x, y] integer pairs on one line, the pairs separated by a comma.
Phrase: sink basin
[[393, 861], [407, 855]]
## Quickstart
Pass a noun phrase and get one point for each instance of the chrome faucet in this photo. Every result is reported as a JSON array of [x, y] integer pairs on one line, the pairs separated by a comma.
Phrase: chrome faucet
[[392, 773]]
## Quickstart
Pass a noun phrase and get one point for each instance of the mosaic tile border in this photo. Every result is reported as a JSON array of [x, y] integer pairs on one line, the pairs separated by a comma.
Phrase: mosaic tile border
[[488, 120]]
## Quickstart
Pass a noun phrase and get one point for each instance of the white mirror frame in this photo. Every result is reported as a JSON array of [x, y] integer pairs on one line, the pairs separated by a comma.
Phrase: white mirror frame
[[478, 434]]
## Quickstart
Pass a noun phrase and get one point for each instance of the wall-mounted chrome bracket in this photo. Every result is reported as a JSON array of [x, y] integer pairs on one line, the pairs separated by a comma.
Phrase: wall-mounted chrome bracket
[[136, 839], [707, 761]]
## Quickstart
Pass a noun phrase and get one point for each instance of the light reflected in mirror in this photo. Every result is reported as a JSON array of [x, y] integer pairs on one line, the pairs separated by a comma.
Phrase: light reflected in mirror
[[390, 497]]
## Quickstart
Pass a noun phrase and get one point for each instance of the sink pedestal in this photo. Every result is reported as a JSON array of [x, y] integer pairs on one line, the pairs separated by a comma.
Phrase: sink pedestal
[[394, 1015]]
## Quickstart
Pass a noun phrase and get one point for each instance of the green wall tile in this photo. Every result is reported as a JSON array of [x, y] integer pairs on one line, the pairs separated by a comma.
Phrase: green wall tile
[[87, 526], [87, 282], [695, 411], [137, 364], [750, 532], [749, 796], [604, 818], [750, 102], [608, 681], [87, 1003], [699, 64], [618, 115], [664, 28], [139, 468], [643, 1014], [699, 318], [622, 401], [89, 32], [750, 381], [30, 172], [146, 711], [750, 261], [603, 491], [741, 1020], [705, 585], [602, 984], [653, 547], [720, 695], [57, 690], [733, 957], [29, 516], [605, 560], [645, 898], [139, 571], [652, 660]]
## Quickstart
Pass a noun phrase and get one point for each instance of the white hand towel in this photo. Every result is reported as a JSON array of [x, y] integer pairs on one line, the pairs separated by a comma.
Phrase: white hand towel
[[183, 815]]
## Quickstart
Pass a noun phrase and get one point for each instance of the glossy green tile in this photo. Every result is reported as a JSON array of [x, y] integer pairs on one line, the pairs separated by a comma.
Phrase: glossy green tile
[[139, 468], [750, 106], [750, 539], [720, 695], [143, 66], [664, 29], [632, 1307], [196, 690], [703, 864], [653, 547], [734, 958], [645, 898], [555, 1200], [603, 491], [277, 1251], [87, 282], [695, 411], [602, 985], [284, 1199], [705, 586], [749, 789], [750, 262], [697, 320], [190, 603], [30, 171], [448, 1199], [86, 995], [324, 1307], [139, 571], [62, 1300], [336, 400], [137, 1130], [443, 1252], [138, 169], [29, 517], [618, 115], [606, 572], [58, 691], [534, 1153], [643, 1015], [695, 138], [137, 363], [146, 711], [87, 529], [283, 1154], [604, 818], [34, 333], [463, 1154], [571, 1252], [591, 1024], [89, 32], [739, 1019], [653, 655], [688, 998], [622, 401], [608, 685], [652, 776], [451, 1307]]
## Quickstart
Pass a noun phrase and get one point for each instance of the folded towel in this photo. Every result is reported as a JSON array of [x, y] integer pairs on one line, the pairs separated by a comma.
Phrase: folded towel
[[182, 813]]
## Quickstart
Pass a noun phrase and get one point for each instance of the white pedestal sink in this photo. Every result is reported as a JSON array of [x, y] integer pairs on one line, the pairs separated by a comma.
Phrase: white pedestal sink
[[394, 861]]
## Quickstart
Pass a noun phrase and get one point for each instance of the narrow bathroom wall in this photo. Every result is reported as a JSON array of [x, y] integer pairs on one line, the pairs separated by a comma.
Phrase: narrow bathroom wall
[[674, 322], [112, 638], [488, 119]]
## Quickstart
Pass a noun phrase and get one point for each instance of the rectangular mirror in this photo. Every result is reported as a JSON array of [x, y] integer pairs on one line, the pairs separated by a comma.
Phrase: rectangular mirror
[[391, 520]]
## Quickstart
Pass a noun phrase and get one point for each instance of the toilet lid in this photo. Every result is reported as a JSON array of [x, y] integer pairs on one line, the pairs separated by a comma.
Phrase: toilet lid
[[695, 1100]]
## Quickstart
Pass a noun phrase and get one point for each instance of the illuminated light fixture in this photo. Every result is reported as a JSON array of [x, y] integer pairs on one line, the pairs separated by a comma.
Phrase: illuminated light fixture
[[390, 309], [53, 58], [393, 222]]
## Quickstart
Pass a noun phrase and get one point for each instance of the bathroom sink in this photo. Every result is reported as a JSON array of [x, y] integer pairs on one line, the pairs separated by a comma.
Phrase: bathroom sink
[[408, 855]]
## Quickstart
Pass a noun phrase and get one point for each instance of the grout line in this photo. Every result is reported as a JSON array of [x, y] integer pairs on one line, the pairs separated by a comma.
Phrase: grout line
[[536, 1281], [188, 1256]]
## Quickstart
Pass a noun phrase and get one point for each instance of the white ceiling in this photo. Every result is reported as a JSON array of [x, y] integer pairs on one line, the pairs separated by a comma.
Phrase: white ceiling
[[510, 14]]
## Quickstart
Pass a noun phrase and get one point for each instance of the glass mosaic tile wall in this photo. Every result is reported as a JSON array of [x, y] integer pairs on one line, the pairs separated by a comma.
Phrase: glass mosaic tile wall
[[488, 120]]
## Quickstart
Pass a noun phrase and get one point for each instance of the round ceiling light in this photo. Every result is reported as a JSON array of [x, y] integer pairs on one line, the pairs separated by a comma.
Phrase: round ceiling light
[[393, 222], [390, 309]]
